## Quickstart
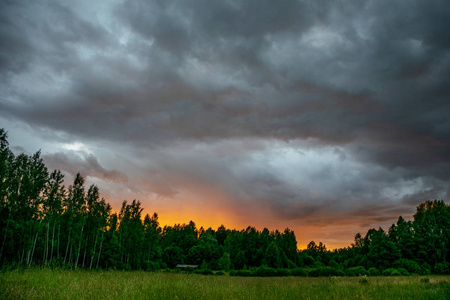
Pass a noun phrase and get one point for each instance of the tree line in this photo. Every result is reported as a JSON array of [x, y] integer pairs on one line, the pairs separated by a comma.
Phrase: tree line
[[46, 224]]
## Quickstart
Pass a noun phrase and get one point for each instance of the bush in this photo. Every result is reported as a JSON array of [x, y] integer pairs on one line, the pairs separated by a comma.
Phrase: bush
[[308, 260], [410, 265], [243, 273], [151, 266], [203, 272], [291, 264], [188, 270], [297, 272], [441, 268], [403, 271], [264, 271], [425, 271], [391, 272], [324, 271], [356, 271], [373, 272], [281, 272], [219, 273]]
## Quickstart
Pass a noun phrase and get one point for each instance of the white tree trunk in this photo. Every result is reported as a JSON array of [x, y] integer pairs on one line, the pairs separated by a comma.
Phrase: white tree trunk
[[79, 247], [93, 253], [100, 251]]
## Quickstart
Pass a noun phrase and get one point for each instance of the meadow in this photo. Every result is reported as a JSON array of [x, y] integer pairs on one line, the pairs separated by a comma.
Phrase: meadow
[[79, 284]]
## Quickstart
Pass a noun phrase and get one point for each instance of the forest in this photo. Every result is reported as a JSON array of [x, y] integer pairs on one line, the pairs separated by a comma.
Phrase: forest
[[45, 223]]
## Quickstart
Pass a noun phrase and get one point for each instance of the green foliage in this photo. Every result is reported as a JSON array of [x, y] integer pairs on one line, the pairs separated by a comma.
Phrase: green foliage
[[225, 262], [307, 260], [272, 256], [172, 256], [403, 271], [324, 271], [441, 268], [373, 272], [264, 271], [407, 264], [203, 272], [391, 272], [242, 273], [151, 265], [297, 272], [356, 271], [204, 266]]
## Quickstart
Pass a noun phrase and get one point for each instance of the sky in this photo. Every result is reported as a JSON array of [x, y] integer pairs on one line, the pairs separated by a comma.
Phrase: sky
[[327, 117]]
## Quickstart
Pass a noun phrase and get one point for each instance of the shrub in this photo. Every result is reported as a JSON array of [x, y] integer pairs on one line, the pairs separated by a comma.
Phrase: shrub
[[391, 272], [441, 268], [219, 273], [356, 271], [403, 271], [410, 265], [324, 271], [373, 272], [308, 260], [291, 264], [297, 272], [203, 272], [281, 272], [425, 271], [264, 271], [387, 272], [243, 273], [151, 265]]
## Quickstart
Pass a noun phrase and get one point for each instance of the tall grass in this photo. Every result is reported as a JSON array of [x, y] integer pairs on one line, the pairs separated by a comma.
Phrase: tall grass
[[65, 284]]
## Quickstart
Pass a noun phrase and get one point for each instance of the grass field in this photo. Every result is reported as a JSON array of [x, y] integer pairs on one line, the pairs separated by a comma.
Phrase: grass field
[[64, 284]]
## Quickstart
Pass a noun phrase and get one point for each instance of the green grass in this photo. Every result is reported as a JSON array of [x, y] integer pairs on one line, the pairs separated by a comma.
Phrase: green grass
[[65, 284]]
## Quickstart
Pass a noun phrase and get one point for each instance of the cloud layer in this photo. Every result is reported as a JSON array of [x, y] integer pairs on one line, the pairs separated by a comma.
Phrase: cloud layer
[[301, 114]]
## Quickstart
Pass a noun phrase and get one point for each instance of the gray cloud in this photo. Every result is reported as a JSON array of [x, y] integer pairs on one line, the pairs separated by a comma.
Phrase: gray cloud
[[87, 165]]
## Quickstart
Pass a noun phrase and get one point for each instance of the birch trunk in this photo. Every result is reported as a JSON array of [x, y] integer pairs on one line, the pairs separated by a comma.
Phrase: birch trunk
[[79, 247], [46, 244], [34, 246], [85, 247], [59, 234], [53, 241], [100, 251], [93, 253], [67, 248]]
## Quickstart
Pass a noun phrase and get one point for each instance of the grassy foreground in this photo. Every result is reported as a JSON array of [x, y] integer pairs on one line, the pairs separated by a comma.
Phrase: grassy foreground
[[65, 284]]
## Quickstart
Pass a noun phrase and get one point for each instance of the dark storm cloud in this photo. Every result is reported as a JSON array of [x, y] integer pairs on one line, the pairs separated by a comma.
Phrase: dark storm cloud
[[369, 82], [14, 45]]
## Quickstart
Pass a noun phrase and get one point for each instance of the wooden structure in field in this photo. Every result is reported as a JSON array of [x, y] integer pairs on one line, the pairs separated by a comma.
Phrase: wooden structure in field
[[186, 266]]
